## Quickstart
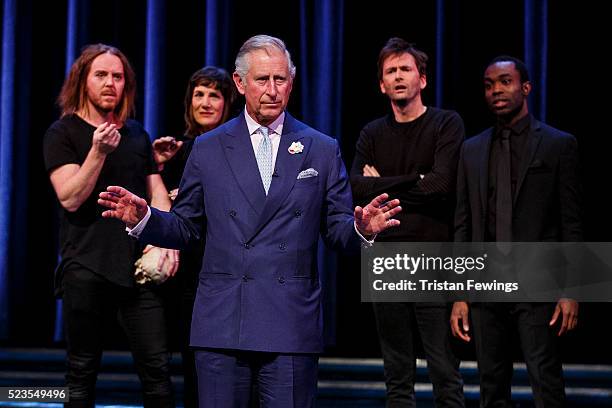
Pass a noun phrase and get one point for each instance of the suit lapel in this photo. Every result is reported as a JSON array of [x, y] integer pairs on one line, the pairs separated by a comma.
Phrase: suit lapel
[[529, 151], [239, 153], [484, 168], [285, 169]]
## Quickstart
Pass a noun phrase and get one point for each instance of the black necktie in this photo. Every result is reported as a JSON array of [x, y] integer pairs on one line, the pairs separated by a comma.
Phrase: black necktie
[[503, 210]]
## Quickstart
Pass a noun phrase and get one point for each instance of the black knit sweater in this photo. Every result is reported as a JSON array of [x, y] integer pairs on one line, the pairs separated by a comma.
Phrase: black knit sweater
[[417, 162]]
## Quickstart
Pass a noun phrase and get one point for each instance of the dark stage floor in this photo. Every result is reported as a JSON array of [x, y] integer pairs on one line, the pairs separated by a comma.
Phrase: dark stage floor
[[342, 382]]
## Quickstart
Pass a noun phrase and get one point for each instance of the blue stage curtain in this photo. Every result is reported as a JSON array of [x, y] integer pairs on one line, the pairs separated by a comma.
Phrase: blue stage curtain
[[15, 167], [440, 25], [536, 53], [40, 40], [7, 135], [76, 29], [218, 24], [154, 100], [320, 76]]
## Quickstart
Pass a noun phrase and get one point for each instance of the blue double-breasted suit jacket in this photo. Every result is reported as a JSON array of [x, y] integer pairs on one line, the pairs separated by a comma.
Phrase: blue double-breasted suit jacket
[[259, 287]]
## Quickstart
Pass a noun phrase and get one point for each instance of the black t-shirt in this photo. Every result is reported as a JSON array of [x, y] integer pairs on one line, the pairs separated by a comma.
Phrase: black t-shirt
[[88, 240], [417, 162]]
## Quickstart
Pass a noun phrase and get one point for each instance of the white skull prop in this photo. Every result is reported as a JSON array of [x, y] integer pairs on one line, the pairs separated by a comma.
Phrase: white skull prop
[[146, 268]]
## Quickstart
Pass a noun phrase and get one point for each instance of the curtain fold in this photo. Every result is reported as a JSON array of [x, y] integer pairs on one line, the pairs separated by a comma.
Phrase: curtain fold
[[536, 53], [320, 76], [155, 64], [217, 48], [440, 52], [7, 116]]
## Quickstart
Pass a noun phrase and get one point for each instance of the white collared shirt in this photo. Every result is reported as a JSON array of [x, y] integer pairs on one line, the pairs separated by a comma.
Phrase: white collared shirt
[[275, 132]]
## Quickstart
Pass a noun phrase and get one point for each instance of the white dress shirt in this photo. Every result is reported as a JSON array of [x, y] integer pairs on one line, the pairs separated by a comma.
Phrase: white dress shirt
[[275, 131]]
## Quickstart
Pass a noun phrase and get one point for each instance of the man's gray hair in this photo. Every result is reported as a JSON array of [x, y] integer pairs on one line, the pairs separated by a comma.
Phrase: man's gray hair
[[260, 42]]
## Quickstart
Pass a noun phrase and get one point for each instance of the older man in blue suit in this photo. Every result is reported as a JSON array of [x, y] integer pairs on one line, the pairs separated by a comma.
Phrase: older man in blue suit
[[264, 186]]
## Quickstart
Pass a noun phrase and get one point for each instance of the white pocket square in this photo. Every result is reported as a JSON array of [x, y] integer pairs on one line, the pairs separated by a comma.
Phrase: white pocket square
[[307, 173]]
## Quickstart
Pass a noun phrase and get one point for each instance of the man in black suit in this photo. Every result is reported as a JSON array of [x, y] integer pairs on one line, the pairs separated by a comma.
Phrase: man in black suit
[[517, 181]]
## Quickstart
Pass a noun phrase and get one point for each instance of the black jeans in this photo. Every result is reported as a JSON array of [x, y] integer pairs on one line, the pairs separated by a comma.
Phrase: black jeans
[[396, 323], [88, 300], [495, 324]]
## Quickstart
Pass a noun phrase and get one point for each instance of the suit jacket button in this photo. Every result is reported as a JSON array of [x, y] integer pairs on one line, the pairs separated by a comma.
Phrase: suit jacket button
[[232, 213], [282, 246], [246, 245], [245, 278], [281, 279], [298, 213]]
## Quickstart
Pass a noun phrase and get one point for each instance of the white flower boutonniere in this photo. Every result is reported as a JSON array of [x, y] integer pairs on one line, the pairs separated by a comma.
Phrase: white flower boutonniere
[[296, 148]]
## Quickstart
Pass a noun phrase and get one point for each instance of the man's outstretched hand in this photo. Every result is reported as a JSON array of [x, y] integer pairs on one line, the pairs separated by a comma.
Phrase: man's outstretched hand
[[377, 216], [123, 205]]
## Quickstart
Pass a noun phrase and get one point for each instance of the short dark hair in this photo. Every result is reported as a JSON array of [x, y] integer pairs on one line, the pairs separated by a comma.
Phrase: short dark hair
[[210, 77], [518, 64], [396, 46]]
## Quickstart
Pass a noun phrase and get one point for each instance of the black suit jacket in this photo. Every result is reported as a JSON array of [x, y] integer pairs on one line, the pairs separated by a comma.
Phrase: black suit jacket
[[546, 204]]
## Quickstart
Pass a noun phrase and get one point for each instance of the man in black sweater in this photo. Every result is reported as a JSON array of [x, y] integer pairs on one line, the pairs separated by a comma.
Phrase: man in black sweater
[[412, 154]]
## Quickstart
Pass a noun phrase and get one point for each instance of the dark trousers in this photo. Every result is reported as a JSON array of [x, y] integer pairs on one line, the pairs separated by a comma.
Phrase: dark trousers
[[88, 301], [396, 323], [179, 296], [190, 385], [226, 378], [495, 324]]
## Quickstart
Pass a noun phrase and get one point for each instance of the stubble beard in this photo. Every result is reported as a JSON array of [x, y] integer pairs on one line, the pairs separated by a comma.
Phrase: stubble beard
[[102, 110]]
